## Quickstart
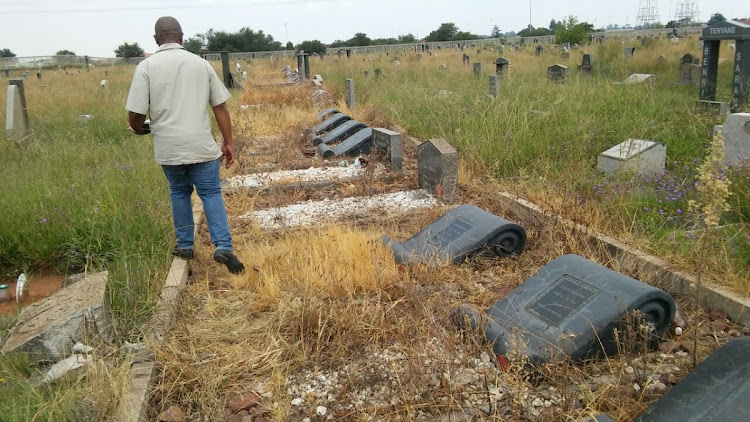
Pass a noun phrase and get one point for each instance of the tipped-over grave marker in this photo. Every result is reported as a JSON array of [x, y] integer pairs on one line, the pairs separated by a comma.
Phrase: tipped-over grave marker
[[325, 114], [359, 142], [572, 307], [343, 131], [464, 232], [716, 390], [330, 123]]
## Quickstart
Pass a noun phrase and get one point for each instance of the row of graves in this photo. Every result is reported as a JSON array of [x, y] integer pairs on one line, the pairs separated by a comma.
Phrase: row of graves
[[571, 308]]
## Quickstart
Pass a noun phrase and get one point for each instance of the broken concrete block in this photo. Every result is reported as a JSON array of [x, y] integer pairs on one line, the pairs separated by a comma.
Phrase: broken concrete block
[[47, 330]]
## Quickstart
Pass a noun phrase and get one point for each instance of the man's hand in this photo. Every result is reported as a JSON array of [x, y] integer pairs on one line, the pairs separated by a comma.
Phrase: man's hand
[[136, 123], [225, 126], [227, 152]]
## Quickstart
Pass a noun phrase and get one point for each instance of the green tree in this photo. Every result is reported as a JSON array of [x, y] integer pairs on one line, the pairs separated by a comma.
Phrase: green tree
[[445, 32], [313, 46], [244, 40], [359, 39], [6, 53], [407, 39], [193, 45], [572, 31], [716, 18], [671, 24], [464, 35], [384, 41], [126, 50], [553, 24], [65, 53], [496, 32], [530, 31], [289, 46], [338, 43]]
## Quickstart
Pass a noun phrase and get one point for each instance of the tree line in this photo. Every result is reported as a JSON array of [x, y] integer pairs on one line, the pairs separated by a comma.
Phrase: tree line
[[566, 30]]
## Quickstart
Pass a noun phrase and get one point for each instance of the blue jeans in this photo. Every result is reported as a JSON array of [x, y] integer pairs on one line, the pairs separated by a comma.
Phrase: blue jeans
[[205, 177]]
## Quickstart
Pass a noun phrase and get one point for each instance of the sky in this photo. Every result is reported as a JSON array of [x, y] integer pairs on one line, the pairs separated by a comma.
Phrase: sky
[[97, 27]]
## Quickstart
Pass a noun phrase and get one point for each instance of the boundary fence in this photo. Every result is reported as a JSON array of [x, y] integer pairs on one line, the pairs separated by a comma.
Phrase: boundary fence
[[65, 62]]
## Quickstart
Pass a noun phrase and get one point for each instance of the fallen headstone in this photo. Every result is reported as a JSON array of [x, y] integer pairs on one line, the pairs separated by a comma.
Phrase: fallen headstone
[[636, 155], [47, 330], [641, 78], [462, 233], [359, 142], [330, 123], [437, 163], [736, 130], [572, 307], [716, 390], [347, 129], [327, 113]]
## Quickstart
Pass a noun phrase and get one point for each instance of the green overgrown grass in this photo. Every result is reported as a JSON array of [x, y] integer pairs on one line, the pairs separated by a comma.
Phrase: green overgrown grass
[[80, 197]]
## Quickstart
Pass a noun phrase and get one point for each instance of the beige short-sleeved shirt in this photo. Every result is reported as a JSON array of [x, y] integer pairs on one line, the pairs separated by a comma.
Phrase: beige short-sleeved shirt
[[174, 86]]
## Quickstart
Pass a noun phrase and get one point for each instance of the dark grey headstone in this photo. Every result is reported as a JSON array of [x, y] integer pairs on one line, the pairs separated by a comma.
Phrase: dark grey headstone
[[437, 163], [330, 123], [539, 50], [501, 66], [628, 52], [462, 233], [226, 73], [327, 113], [690, 74], [572, 307], [359, 142], [478, 69], [389, 144], [716, 390], [346, 129]]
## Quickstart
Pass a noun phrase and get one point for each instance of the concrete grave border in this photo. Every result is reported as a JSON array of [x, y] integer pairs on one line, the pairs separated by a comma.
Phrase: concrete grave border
[[134, 403], [644, 267]]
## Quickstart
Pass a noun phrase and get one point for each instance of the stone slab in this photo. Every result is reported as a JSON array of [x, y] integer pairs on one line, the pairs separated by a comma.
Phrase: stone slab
[[736, 130], [47, 330], [330, 123], [633, 155]]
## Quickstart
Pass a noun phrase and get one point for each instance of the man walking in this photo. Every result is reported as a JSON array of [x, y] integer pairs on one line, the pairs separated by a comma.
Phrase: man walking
[[173, 86]]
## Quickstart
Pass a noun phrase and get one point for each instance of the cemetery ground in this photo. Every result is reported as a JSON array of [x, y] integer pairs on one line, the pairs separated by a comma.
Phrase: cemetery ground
[[324, 321]]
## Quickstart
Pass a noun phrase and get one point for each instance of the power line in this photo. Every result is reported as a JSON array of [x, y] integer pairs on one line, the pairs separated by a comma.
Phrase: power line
[[162, 7]]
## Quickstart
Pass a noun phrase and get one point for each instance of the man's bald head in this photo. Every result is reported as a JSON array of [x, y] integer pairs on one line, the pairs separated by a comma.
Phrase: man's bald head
[[167, 30]]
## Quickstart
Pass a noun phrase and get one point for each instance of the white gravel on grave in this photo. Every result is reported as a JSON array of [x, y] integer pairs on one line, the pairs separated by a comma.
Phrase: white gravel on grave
[[316, 212], [313, 174]]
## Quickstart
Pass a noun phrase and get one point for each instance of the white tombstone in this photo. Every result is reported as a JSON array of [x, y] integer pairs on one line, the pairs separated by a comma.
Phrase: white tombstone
[[15, 123], [641, 78], [736, 132], [244, 76], [633, 155], [104, 83]]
